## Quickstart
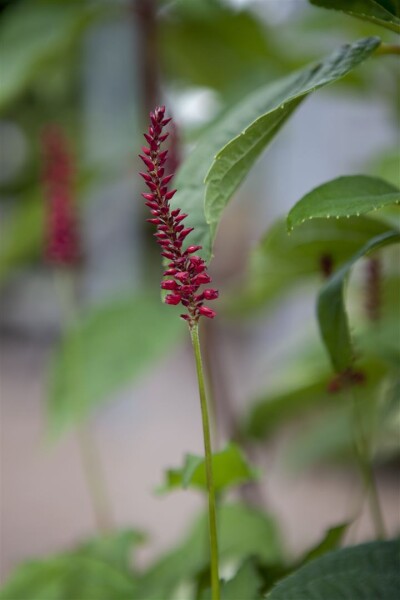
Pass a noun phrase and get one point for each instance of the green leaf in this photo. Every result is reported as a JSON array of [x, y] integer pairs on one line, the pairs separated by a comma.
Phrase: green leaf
[[246, 584], [331, 540], [97, 570], [243, 532], [365, 572], [229, 467], [381, 12], [105, 350], [332, 317], [280, 261], [352, 195], [224, 156], [35, 34]]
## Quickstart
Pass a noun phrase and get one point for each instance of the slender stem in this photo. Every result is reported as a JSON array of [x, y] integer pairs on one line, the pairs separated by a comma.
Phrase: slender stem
[[388, 49], [361, 445], [89, 454], [212, 516]]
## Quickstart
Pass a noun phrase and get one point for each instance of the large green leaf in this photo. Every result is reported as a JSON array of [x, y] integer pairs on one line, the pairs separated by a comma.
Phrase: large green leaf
[[228, 150], [281, 260], [365, 572], [352, 195], [229, 468], [243, 532], [381, 12], [106, 349], [332, 317], [33, 34], [97, 570]]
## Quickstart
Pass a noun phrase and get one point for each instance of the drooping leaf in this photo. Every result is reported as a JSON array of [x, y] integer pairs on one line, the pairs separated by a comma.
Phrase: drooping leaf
[[381, 12], [106, 349], [332, 316], [281, 260], [365, 572], [229, 468], [243, 532], [246, 584], [97, 570], [352, 195], [227, 151]]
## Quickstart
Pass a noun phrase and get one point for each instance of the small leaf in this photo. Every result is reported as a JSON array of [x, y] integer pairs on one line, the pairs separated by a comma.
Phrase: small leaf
[[365, 572], [229, 468], [97, 570], [344, 197], [104, 351], [226, 153], [332, 317], [381, 12]]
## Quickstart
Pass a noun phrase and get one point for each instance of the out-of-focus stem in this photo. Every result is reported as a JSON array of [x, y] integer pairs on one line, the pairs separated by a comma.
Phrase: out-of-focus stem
[[361, 446], [212, 513], [91, 463]]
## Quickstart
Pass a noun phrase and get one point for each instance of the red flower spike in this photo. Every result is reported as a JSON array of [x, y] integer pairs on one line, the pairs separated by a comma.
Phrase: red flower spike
[[62, 237], [187, 271]]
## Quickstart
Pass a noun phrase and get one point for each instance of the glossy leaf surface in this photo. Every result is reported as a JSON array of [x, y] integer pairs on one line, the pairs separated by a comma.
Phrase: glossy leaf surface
[[364, 572], [385, 13]]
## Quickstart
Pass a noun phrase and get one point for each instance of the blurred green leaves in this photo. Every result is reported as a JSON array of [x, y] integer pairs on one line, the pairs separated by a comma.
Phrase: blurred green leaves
[[104, 350], [34, 35], [226, 153], [385, 13], [98, 570], [243, 532], [229, 469], [364, 572], [352, 195]]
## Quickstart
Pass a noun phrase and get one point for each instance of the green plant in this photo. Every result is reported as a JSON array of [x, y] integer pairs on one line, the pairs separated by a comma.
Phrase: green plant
[[345, 380]]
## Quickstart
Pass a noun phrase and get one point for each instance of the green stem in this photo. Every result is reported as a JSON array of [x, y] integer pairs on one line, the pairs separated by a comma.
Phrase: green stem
[[212, 513], [91, 463], [385, 49], [361, 445]]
